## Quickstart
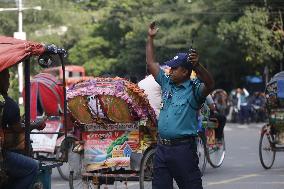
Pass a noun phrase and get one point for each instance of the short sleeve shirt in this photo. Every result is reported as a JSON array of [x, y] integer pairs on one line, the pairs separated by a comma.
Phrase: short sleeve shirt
[[179, 111], [209, 100]]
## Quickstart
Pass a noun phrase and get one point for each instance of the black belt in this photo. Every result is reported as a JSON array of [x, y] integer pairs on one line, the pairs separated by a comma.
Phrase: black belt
[[176, 141]]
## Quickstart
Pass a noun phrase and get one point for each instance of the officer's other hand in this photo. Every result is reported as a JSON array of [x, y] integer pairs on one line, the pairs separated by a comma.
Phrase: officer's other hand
[[193, 58]]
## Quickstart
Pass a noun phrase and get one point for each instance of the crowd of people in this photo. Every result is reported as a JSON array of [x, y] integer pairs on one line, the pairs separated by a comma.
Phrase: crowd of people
[[245, 107]]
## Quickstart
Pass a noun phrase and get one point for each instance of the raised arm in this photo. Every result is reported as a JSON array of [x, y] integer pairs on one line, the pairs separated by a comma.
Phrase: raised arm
[[153, 67], [202, 73]]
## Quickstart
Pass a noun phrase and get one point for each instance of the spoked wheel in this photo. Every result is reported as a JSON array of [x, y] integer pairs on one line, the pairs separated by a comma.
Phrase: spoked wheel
[[266, 152], [73, 163], [147, 169], [215, 153], [201, 152], [82, 182]]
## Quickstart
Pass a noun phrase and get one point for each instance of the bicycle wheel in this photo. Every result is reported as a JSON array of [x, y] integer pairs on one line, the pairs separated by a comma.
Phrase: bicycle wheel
[[215, 153], [73, 163], [266, 152], [147, 169], [201, 153], [81, 183]]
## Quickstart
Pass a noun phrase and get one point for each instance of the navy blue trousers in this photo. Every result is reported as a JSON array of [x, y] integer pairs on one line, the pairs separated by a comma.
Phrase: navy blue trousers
[[179, 162], [22, 170]]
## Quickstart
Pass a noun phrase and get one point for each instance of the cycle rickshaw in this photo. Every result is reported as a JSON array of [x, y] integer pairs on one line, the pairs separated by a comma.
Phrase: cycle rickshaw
[[12, 52], [117, 129], [209, 149], [272, 134]]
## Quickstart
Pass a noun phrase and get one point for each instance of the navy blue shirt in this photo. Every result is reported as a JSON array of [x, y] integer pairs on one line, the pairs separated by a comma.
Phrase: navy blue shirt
[[178, 116], [11, 112]]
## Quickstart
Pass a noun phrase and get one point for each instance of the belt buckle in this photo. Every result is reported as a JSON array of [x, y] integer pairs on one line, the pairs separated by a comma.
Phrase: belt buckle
[[166, 141]]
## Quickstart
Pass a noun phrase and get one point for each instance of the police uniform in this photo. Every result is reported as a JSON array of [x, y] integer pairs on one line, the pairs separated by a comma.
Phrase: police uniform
[[176, 155]]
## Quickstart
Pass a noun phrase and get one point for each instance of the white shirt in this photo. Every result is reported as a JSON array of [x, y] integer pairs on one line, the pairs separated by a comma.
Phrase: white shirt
[[242, 101], [209, 99], [153, 91]]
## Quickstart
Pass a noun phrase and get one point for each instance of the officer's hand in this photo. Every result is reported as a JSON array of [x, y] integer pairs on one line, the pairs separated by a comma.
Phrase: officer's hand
[[152, 31]]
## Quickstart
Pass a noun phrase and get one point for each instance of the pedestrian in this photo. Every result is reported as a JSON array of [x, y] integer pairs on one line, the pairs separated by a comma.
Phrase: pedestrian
[[243, 106], [153, 91], [21, 169], [176, 154]]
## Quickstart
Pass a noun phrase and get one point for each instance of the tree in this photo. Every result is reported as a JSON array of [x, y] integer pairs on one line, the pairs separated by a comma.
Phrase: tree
[[253, 34], [108, 37]]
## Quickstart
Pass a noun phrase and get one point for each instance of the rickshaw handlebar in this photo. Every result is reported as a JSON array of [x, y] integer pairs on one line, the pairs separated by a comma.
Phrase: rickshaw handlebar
[[53, 49]]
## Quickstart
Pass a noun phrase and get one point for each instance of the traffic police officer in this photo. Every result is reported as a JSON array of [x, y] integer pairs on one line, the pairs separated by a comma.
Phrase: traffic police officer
[[176, 153]]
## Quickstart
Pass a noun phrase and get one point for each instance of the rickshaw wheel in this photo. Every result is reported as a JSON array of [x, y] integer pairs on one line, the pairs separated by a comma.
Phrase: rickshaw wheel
[[73, 163], [84, 182], [147, 169], [216, 153], [201, 152], [266, 152]]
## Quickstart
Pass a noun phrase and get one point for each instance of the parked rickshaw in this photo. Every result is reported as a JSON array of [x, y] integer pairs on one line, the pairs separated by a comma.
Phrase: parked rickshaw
[[272, 134], [47, 99], [12, 52], [208, 148], [117, 132]]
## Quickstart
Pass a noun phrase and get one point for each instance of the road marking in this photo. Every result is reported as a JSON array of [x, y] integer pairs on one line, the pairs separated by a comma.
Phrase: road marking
[[260, 182], [232, 180]]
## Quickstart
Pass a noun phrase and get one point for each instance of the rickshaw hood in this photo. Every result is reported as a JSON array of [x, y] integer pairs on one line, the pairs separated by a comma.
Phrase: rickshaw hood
[[13, 51]]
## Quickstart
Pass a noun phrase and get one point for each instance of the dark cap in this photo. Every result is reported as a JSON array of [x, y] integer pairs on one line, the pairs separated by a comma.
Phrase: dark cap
[[179, 60]]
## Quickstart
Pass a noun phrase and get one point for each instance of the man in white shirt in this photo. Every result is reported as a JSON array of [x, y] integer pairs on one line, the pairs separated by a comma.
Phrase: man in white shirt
[[153, 91], [243, 106]]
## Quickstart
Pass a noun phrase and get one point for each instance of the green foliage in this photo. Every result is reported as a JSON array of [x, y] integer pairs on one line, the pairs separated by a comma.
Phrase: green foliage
[[14, 83], [108, 37], [252, 34]]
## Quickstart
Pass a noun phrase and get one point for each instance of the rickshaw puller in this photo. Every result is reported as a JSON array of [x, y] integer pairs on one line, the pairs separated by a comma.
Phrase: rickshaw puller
[[176, 153], [21, 169]]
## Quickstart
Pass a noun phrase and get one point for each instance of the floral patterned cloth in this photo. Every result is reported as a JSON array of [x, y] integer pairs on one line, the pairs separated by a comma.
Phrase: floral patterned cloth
[[118, 87]]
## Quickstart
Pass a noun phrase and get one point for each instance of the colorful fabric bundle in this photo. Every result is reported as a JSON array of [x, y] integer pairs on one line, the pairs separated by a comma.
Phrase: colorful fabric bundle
[[108, 99]]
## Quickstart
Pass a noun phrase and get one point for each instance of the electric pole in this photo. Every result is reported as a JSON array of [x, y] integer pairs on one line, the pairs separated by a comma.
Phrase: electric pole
[[20, 35]]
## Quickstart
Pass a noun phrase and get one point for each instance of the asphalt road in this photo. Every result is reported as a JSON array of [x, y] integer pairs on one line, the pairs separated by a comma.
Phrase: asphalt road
[[241, 168]]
